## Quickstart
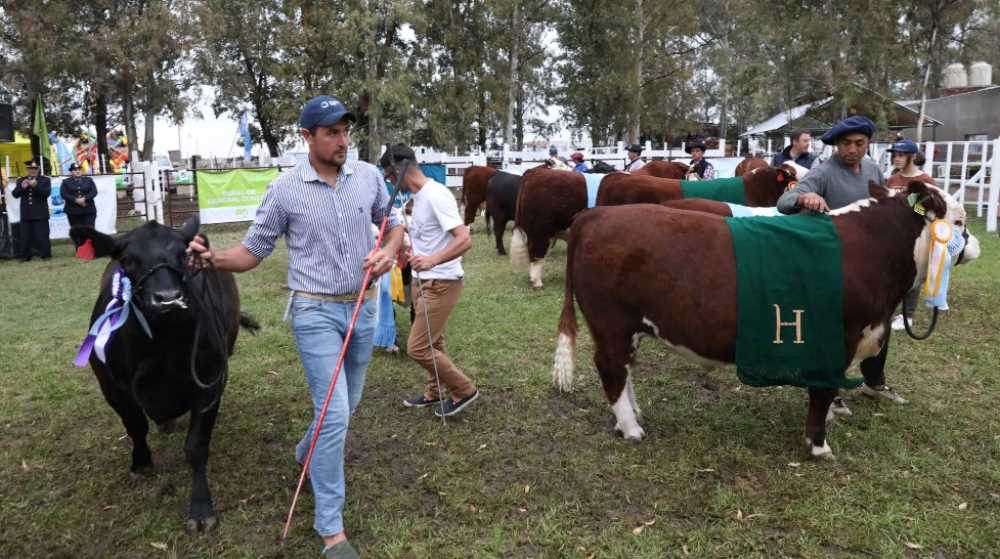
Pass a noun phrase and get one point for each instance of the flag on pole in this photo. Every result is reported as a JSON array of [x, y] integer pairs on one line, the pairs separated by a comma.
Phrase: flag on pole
[[39, 129], [247, 141]]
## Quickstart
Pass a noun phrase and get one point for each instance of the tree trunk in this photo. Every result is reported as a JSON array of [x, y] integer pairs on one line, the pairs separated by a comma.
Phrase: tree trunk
[[267, 131], [519, 120], [636, 112], [101, 124], [147, 138], [513, 87], [923, 90], [130, 130]]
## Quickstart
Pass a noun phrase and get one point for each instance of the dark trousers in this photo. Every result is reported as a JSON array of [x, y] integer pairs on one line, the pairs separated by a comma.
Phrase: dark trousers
[[86, 220], [35, 235], [873, 368]]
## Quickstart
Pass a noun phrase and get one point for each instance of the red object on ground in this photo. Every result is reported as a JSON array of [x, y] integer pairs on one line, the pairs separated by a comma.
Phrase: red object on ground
[[86, 250]]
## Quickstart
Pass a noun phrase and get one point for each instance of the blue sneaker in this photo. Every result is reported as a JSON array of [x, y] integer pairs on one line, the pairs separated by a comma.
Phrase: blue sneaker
[[451, 407], [420, 401]]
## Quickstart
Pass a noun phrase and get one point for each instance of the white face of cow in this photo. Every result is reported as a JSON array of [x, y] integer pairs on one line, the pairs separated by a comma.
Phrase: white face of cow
[[955, 215]]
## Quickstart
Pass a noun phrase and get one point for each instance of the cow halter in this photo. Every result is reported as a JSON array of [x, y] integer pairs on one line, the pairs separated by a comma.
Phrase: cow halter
[[114, 317]]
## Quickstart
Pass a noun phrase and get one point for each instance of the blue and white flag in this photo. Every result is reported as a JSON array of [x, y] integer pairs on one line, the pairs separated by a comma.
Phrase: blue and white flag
[[247, 141]]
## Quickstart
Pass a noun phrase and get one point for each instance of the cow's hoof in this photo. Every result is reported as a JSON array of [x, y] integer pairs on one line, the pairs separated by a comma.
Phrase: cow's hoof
[[167, 427], [536, 286], [630, 434], [141, 473], [820, 452], [201, 525]]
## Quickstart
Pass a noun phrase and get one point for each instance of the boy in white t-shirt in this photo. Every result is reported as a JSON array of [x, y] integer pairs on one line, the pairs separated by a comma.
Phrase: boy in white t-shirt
[[439, 238]]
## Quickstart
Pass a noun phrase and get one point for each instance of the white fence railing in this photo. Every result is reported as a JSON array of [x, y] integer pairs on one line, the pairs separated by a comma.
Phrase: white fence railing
[[970, 171]]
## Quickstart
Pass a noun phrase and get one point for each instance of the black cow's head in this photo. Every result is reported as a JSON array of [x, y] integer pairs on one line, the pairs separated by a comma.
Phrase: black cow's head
[[153, 257]]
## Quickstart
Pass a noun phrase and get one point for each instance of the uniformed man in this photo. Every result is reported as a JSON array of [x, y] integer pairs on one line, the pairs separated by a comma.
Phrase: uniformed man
[[78, 192], [34, 190]]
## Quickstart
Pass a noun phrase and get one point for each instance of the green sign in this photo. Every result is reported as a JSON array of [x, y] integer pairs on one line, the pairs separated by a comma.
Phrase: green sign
[[233, 189]]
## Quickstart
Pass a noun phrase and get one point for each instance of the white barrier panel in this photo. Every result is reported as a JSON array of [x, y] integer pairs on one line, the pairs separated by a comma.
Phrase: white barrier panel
[[106, 203]]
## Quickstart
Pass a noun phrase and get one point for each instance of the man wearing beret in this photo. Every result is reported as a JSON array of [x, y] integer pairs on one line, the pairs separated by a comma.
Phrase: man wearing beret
[[634, 162], [325, 208], [33, 191], [841, 180], [79, 192]]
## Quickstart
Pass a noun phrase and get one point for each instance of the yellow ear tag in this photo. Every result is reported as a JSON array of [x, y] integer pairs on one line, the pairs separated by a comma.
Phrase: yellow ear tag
[[919, 208]]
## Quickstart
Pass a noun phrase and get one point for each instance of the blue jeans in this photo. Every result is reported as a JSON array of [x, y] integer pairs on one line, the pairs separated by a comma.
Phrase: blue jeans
[[319, 328]]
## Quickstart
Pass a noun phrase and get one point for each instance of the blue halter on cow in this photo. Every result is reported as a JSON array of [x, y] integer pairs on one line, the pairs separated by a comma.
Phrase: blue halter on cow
[[160, 342], [695, 307]]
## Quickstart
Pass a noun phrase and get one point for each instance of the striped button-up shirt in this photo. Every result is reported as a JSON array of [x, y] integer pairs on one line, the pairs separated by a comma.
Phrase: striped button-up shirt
[[327, 227]]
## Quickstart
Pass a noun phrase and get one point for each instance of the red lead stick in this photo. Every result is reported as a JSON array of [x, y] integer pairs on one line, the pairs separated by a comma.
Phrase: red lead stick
[[343, 354]]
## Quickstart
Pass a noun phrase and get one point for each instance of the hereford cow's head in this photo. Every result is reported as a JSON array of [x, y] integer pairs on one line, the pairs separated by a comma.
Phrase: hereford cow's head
[[933, 203], [154, 259], [764, 185]]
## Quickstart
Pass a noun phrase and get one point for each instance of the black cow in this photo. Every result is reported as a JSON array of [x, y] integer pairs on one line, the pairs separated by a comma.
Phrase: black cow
[[163, 376], [501, 203]]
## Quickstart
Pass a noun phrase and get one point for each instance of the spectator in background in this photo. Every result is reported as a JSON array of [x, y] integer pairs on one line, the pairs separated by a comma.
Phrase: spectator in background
[[905, 169], [634, 161], [797, 151], [700, 168], [579, 165], [78, 193]]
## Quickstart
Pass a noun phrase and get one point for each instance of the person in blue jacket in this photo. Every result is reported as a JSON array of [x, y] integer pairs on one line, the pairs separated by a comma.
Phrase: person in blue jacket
[[797, 152]]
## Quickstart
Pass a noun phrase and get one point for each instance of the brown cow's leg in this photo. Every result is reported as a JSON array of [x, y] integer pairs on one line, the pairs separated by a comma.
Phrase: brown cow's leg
[[612, 359], [819, 404]]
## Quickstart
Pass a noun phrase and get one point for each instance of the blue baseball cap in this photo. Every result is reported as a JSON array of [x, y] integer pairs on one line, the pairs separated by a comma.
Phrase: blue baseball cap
[[904, 146], [323, 110], [849, 125]]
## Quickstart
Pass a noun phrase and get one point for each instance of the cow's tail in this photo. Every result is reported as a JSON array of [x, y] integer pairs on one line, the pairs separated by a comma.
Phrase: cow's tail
[[562, 369], [249, 323], [519, 249]]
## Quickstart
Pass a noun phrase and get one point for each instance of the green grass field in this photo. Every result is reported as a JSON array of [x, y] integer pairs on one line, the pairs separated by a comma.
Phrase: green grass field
[[527, 471]]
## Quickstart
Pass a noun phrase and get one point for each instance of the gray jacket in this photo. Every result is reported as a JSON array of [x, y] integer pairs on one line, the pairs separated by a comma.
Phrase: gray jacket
[[836, 183]]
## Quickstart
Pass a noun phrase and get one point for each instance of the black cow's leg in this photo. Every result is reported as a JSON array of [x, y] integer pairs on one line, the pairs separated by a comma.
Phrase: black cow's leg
[[612, 357], [196, 450], [819, 404], [135, 422], [499, 226]]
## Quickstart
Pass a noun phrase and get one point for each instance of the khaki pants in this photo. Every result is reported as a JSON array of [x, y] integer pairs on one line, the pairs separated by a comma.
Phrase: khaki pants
[[437, 300]]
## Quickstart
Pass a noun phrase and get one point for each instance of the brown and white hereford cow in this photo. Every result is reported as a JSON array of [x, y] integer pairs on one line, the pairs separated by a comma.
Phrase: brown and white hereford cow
[[643, 290], [548, 200]]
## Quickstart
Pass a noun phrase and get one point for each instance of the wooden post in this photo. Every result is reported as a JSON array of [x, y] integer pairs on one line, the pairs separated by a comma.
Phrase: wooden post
[[991, 212], [983, 161], [929, 158], [963, 179], [947, 168]]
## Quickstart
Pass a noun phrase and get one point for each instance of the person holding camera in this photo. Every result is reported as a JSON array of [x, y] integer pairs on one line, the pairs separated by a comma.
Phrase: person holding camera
[[33, 190]]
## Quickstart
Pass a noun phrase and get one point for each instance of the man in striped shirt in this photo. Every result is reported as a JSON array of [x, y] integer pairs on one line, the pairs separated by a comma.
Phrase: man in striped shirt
[[324, 207]]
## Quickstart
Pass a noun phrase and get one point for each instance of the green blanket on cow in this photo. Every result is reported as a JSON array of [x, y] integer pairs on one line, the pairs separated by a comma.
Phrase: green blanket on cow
[[722, 190], [789, 302]]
